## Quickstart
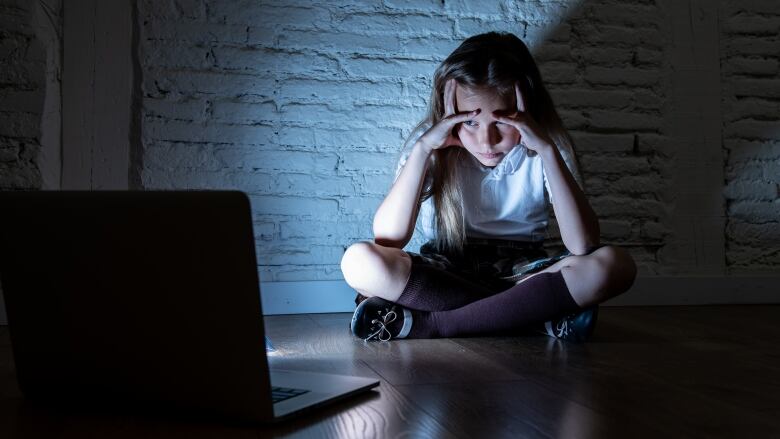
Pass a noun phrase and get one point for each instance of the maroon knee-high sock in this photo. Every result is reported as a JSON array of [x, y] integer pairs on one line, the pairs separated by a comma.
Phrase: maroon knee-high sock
[[538, 299], [433, 289]]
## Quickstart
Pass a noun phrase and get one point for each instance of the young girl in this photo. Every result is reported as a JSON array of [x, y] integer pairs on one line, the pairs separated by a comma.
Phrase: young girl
[[477, 172]]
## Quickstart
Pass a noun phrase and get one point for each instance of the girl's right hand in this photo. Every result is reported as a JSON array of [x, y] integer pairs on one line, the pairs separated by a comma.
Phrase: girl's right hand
[[441, 134]]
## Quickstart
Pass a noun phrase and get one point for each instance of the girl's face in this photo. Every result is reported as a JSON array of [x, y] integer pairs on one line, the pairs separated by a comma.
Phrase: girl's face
[[483, 136]]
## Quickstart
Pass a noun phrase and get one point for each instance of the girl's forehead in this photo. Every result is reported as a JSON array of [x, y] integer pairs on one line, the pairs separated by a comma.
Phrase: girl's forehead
[[469, 96]]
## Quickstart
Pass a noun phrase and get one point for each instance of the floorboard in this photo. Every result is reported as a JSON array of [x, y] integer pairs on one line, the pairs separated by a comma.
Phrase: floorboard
[[699, 371]]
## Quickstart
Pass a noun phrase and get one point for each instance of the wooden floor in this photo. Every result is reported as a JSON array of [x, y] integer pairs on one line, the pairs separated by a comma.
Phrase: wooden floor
[[683, 371]]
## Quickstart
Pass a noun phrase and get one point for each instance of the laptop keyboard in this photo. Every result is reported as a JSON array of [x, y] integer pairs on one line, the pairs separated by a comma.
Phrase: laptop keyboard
[[281, 393]]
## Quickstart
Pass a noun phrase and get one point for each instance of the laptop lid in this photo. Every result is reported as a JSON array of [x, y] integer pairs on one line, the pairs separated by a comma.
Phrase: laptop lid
[[92, 284]]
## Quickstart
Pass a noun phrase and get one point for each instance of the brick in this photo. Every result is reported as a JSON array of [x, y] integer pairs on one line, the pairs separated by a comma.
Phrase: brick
[[760, 235], [754, 211], [752, 190], [380, 67], [752, 24], [751, 108], [264, 15], [744, 46], [243, 113], [211, 157], [615, 229], [751, 66], [193, 32], [327, 230], [577, 97], [623, 120], [610, 56], [573, 119], [624, 14], [752, 129], [631, 184], [274, 62], [743, 150], [763, 88], [22, 101], [366, 205], [609, 206], [281, 254], [468, 26], [18, 176], [154, 129], [339, 42], [372, 139], [627, 76], [590, 142], [553, 52], [185, 109], [178, 56], [303, 207], [19, 124], [648, 57], [654, 231], [615, 165], [264, 230], [161, 82], [427, 48], [470, 7], [746, 170], [558, 72], [335, 91], [750, 259], [402, 24], [365, 163]]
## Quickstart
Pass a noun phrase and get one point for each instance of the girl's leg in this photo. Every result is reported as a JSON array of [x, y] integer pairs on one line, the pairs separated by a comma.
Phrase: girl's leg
[[409, 280], [597, 276], [593, 278], [375, 270]]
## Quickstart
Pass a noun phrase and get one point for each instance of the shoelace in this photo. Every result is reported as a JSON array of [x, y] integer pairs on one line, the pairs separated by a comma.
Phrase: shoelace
[[562, 328], [386, 320]]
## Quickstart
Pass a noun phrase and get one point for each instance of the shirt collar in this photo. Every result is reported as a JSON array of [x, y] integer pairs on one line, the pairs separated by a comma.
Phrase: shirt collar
[[508, 165]]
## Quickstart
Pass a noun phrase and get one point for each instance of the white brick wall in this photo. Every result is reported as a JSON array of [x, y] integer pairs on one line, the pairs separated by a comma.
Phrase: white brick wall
[[29, 94], [750, 53], [305, 104]]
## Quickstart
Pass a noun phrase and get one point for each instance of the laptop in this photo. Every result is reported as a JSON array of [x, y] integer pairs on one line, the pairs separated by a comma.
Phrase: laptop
[[145, 300]]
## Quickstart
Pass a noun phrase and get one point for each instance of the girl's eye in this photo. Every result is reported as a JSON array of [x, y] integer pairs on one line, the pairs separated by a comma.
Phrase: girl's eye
[[468, 123]]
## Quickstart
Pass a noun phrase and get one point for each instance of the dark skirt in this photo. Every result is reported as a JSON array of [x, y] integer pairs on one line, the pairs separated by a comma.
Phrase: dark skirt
[[497, 264]]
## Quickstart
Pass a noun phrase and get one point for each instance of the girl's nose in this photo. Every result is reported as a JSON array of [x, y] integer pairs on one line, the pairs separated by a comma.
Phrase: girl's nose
[[489, 136]]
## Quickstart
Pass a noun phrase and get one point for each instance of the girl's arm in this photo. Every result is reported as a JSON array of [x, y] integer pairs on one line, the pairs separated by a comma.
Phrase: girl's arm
[[395, 218], [578, 222], [576, 219]]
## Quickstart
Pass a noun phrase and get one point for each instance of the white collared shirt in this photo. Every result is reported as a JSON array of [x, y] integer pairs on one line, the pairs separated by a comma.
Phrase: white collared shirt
[[508, 201]]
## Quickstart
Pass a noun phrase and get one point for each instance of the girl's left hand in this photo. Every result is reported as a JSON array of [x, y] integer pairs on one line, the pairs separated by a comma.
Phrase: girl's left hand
[[531, 135]]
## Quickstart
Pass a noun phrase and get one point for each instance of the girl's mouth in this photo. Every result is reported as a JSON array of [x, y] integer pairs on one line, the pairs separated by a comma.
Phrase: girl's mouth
[[490, 155]]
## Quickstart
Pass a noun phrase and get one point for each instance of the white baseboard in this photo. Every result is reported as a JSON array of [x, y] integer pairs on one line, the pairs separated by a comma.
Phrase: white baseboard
[[336, 296]]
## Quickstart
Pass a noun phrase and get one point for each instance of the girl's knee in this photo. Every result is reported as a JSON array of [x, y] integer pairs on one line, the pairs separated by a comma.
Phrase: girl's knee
[[371, 269], [619, 268], [357, 256]]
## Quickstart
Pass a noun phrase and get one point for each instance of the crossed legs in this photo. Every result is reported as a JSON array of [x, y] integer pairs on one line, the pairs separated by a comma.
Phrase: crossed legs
[[375, 270]]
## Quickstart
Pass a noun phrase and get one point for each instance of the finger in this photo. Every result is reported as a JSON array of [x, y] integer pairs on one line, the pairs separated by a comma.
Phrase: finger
[[507, 115], [449, 91], [462, 117], [519, 96], [453, 96]]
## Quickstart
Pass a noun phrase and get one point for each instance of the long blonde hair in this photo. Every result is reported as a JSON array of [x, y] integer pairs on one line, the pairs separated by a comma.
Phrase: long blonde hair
[[489, 61]]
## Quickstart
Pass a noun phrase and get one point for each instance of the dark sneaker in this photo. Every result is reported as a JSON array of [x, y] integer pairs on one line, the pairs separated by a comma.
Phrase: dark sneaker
[[359, 298], [576, 327], [378, 319]]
